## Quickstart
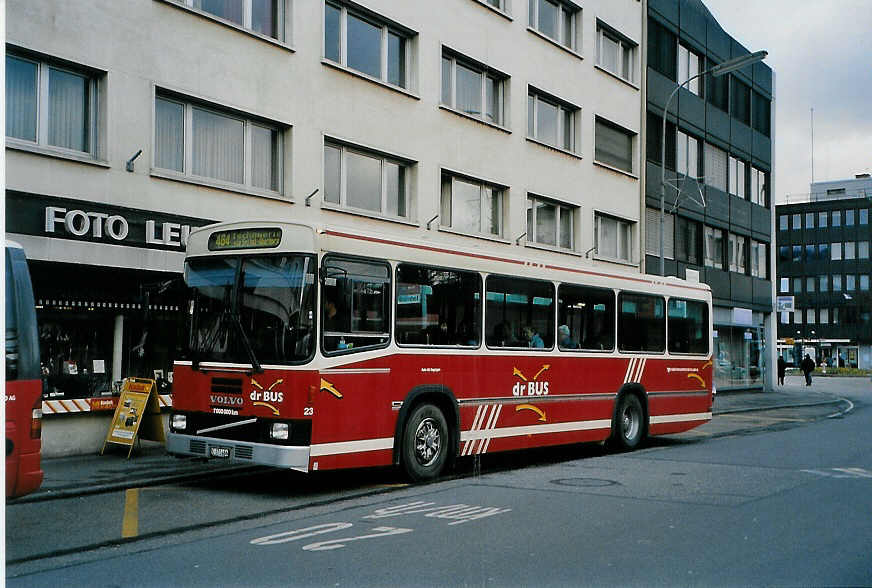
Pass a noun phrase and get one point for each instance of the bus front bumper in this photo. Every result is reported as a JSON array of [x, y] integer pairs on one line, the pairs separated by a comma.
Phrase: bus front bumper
[[280, 456]]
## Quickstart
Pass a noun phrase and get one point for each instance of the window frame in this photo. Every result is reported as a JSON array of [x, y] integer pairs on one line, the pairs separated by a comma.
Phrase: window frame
[[567, 114], [706, 322], [384, 158], [708, 260], [561, 208], [625, 46], [631, 135], [564, 9], [282, 11], [500, 192], [386, 27], [249, 121], [94, 103], [486, 72], [684, 53], [622, 224]]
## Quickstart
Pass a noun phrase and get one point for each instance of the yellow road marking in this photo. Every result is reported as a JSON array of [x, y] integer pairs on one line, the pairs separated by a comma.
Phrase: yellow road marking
[[130, 521]]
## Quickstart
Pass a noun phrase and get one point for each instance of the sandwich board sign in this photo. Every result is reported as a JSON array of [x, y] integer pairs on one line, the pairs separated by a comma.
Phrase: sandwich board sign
[[137, 415]]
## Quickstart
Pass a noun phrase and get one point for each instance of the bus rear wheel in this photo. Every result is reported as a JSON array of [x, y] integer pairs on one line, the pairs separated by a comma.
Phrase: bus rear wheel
[[425, 443], [629, 426]]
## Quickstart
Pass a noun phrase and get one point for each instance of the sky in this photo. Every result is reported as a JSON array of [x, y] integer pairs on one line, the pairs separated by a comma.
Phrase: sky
[[821, 53]]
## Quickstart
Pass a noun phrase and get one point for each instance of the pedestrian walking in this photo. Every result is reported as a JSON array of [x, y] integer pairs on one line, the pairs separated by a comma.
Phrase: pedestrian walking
[[782, 367], [807, 367]]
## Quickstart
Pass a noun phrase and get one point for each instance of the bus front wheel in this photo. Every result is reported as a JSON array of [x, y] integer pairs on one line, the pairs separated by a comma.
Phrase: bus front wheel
[[629, 427], [425, 443]]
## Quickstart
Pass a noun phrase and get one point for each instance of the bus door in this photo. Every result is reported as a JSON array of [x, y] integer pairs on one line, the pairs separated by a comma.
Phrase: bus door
[[353, 399]]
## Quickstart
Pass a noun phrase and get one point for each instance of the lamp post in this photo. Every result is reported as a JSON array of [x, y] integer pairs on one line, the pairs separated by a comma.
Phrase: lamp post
[[716, 71]]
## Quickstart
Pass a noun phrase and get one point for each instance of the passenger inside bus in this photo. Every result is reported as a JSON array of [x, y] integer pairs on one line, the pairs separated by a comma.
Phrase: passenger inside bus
[[564, 340], [533, 338]]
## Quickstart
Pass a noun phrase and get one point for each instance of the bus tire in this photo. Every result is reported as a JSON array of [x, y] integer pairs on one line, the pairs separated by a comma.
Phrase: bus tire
[[425, 443], [629, 426]]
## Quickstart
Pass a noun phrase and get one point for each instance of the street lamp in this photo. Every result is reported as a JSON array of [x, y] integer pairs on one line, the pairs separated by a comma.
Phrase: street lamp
[[716, 71]]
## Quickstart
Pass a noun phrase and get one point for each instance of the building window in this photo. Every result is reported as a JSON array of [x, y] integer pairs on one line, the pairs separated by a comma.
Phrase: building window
[[261, 16], [835, 251], [850, 282], [824, 316], [837, 283], [662, 48], [810, 316], [714, 247], [652, 233], [823, 251], [797, 222], [810, 253], [797, 285], [687, 236], [613, 145], [849, 217], [715, 167], [741, 101], [555, 20], [365, 180], [689, 65], [471, 206], [863, 250], [837, 218], [200, 141], [782, 222], [810, 284], [822, 220], [718, 90], [614, 237], [797, 316], [737, 177], [472, 89], [762, 113], [809, 220], [864, 282], [783, 253], [796, 253], [498, 4], [550, 223], [51, 105], [367, 44], [864, 216], [687, 155], [784, 285], [759, 260], [823, 283], [737, 246], [615, 53], [849, 249], [551, 121]]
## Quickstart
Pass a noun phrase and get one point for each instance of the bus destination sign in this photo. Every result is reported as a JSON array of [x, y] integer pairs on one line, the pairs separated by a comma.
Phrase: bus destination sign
[[245, 239]]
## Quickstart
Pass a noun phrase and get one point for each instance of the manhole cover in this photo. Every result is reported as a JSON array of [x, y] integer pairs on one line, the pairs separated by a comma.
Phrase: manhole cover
[[585, 482]]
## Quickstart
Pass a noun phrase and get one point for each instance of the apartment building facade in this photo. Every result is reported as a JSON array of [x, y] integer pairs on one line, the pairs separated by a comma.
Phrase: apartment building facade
[[718, 160], [507, 125], [824, 268]]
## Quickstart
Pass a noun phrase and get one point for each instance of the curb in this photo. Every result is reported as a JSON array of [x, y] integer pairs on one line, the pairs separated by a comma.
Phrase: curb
[[127, 484], [779, 406]]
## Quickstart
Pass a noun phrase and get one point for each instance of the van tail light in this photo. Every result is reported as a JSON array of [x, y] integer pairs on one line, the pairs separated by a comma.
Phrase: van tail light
[[36, 420]]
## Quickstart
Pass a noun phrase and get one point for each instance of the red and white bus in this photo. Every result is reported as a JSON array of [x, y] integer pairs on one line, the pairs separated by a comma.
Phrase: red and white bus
[[23, 387], [319, 348]]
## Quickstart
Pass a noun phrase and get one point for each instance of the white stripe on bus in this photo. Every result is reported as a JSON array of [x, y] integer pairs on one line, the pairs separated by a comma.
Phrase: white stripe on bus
[[680, 418]]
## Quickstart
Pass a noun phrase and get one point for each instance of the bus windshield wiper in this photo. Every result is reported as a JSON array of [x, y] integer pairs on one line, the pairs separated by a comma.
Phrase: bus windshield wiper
[[234, 317]]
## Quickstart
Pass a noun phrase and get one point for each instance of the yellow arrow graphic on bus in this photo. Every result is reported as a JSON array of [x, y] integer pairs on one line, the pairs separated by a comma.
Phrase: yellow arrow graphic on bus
[[269, 406], [545, 366], [519, 373], [538, 411], [256, 384], [707, 364], [698, 377], [325, 385]]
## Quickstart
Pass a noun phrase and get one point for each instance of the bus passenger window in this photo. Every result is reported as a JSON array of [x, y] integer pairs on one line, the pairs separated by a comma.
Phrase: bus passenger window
[[437, 306], [688, 326], [586, 317], [641, 323], [519, 313], [355, 304]]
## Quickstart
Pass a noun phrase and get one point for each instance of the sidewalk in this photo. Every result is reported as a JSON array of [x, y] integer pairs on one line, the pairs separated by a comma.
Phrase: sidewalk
[[150, 465]]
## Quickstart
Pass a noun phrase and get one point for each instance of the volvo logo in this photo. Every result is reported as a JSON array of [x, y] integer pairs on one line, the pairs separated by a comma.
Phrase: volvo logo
[[225, 400]]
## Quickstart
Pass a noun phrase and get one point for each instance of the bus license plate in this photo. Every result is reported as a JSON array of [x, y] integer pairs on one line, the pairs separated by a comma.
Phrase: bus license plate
[[219, 451]]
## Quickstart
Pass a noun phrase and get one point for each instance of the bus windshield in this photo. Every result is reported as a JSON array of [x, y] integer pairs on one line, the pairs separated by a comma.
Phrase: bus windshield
[[257, 310]]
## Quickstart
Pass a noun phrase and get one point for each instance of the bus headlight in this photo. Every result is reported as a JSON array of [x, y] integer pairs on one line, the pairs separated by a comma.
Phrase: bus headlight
[[179, 422], [280, 431]]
